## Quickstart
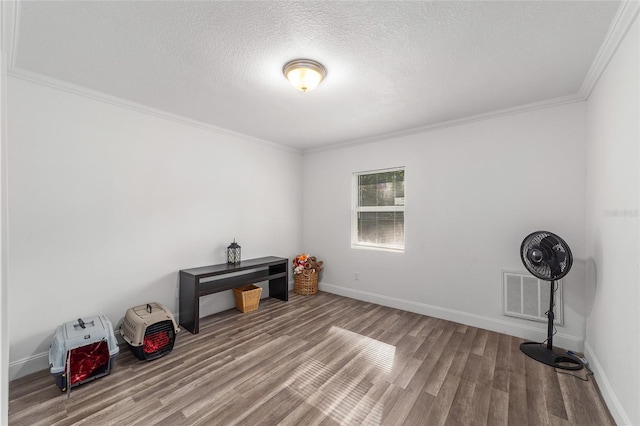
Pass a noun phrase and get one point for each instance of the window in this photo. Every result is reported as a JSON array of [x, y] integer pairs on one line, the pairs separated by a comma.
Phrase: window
[[378, 209]]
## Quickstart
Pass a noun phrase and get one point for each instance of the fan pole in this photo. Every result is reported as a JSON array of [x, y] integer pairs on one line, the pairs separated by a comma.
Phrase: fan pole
[[551, 317], [547, 354]]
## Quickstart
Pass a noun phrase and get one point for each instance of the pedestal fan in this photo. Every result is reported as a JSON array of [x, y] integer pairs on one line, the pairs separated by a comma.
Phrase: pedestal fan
[[548, 257]]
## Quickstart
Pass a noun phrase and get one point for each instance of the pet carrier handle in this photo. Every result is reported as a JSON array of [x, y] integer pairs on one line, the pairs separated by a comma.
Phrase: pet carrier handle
[[149, 309], [81, 323]]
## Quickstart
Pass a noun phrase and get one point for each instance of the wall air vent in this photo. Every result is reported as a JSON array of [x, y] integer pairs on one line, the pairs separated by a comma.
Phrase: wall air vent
[[525, 296]]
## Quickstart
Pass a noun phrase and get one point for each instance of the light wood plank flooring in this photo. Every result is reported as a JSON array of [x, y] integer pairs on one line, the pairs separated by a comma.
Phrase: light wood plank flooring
[[321, 360]]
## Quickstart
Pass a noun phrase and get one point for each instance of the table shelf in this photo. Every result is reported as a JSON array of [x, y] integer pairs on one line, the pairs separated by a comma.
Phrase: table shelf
[[210, 287]]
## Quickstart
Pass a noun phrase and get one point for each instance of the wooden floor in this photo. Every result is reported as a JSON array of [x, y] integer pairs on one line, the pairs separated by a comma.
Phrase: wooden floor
[[321, 360]]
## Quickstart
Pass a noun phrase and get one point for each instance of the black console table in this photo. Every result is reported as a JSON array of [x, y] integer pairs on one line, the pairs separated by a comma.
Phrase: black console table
[[273, 269]]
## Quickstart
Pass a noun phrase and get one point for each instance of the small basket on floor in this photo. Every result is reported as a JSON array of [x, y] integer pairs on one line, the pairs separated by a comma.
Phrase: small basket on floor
[[306, 282], [247, 297]]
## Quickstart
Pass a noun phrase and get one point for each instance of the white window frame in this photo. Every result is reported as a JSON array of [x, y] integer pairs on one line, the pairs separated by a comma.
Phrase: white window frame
[[355, 209]]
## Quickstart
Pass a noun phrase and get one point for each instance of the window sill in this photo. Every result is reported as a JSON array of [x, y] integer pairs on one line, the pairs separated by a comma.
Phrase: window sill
[[377, 248]]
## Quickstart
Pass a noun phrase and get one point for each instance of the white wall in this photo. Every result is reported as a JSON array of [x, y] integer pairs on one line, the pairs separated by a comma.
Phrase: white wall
[[612, 230], [473, 192], [4, 319], [107, 204]]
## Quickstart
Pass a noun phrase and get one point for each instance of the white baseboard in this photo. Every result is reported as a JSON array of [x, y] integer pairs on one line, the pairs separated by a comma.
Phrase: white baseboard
[[615, 408], [38, 362], [566, 341], [28, 365]]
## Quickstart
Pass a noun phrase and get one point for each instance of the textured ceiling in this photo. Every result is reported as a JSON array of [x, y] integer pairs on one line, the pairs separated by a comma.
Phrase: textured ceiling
[[392, 66]]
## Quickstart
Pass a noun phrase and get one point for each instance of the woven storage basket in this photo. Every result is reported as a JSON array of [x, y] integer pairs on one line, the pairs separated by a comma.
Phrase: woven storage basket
[[247, 297], [306, 282]]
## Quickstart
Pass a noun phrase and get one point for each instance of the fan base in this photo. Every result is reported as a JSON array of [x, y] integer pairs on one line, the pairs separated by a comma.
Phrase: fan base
[[553, 357]]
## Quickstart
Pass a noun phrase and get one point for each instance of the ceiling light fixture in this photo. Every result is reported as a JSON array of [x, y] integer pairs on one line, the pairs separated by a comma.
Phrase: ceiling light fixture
[[304, 74]]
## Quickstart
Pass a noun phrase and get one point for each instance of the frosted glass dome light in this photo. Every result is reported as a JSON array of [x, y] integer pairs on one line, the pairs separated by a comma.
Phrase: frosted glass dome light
[[304, 74]]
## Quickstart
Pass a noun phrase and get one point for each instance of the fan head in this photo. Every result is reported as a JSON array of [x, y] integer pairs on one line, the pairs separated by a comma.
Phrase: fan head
[[546, 255]]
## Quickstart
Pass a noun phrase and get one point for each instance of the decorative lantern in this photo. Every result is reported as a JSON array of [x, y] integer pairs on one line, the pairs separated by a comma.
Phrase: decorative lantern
[[233, 252]]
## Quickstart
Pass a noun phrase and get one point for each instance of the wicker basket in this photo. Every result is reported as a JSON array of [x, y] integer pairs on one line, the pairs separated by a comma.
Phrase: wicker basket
[[247, 297], [306, 282]]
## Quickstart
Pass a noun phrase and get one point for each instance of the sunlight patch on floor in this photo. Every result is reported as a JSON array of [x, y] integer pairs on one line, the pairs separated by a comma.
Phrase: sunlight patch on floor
[[381, 354], [335, 392]]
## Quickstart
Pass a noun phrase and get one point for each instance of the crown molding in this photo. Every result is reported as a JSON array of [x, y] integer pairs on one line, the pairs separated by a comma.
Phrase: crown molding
[[622, 21], [548, 103], [133, 106], [112, 100]]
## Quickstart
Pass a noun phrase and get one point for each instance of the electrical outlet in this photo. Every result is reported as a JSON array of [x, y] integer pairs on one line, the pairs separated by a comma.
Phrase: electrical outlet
[[356, 276]]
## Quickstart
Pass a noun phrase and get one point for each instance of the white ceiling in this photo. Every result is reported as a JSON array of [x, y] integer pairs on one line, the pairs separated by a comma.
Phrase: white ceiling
[[392, 66]]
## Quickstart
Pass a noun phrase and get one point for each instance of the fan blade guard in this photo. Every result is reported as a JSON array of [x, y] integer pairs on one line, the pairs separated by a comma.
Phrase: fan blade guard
[[546, 255]]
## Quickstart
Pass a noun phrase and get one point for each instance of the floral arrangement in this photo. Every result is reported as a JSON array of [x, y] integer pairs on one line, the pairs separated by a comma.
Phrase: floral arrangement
[[305, 262]]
